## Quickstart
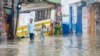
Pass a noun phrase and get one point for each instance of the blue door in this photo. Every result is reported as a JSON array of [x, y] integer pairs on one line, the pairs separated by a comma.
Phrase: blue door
[[79, 20], [65, 29]]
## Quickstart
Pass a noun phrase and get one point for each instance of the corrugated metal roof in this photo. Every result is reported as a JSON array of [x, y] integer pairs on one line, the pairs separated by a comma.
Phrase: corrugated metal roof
[[35, 6]]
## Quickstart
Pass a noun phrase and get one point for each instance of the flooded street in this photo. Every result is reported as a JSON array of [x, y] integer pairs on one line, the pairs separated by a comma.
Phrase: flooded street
[[51, 46]]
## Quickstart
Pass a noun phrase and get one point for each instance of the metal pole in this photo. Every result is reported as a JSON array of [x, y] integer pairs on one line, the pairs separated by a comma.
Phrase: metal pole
[[17, 22], [12, 25], [17, 18]]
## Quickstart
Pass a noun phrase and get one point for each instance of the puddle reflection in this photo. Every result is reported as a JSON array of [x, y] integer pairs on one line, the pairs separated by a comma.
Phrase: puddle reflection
[[72, 45]]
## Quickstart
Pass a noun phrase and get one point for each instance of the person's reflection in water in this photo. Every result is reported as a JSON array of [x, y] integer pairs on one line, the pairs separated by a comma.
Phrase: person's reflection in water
[[67, 40], [42, 40], [41, 50], [31, 42], [71, 40], [76, 50], [31, 49]]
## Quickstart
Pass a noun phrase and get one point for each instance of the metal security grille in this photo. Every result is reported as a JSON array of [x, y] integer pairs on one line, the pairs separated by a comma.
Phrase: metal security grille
[[42, 15]]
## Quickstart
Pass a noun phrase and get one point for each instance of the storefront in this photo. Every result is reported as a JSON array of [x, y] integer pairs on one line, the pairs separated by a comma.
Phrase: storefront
[[2, 21], [93, 8], [94, 23], [7, 21], [65, 17], [77, 17], [41, 14], [94, 14], [97, 16]]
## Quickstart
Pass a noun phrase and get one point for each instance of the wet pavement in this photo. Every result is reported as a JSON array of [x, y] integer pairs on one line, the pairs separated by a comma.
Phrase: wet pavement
[[71, 45]]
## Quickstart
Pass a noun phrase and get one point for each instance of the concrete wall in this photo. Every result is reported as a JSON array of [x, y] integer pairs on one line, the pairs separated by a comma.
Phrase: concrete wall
[[85, 18]]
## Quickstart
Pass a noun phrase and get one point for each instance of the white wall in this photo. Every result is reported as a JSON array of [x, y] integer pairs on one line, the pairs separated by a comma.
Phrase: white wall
[[73, 1], [65, 11], [85, 17], [53, 14], [32, 15], [24, 18]]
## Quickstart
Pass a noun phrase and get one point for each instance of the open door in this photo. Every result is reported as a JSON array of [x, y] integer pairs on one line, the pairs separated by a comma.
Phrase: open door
[[98, 21]]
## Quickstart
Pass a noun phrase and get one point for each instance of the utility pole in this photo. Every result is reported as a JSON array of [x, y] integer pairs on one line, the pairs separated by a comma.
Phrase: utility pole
[[12, 32], [17, 19]]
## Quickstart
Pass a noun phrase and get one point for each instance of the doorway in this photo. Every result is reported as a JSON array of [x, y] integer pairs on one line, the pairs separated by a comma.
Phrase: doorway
[[94, 24], [97, 13], [8, 22], [97, 16]]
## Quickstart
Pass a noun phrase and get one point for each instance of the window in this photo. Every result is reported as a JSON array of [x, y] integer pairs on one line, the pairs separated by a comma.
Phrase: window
[[42, 15], [9, 2]]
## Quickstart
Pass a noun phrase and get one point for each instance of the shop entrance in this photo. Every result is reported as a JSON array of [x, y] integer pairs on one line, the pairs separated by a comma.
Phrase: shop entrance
[[97, 14], [94, 23], [95, 18], [9, 23]]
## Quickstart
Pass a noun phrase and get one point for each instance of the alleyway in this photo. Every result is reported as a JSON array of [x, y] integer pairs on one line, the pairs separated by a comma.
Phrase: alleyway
[[51, 46]]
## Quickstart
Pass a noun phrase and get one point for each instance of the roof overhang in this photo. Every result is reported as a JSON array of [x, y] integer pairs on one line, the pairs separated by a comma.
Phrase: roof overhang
[[35, 6]]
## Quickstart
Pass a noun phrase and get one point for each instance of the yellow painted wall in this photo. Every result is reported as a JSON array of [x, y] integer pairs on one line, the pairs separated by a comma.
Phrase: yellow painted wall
[[22, 30], [92, 20], [92, 26]]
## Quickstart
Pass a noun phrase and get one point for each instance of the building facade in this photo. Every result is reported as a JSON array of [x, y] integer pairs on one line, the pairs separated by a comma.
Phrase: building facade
[[1, 7], [9, 14], [2, 20]]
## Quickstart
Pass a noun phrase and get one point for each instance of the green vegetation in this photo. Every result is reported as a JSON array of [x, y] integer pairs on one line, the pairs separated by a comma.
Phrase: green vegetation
[[55, 1]]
